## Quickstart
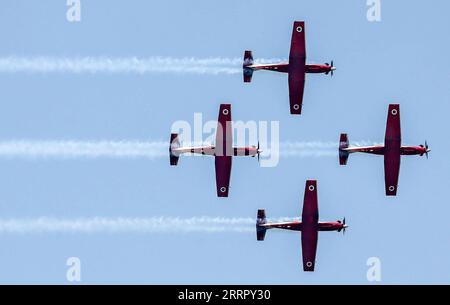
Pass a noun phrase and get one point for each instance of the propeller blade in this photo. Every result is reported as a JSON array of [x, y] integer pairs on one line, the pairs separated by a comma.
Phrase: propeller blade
[[332, 63], [257, 151], [345, 227]]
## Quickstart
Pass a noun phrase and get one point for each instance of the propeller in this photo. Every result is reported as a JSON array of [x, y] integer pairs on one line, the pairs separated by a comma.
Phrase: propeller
[[331, 71], [427, 150], [344, 226], [258, 151]]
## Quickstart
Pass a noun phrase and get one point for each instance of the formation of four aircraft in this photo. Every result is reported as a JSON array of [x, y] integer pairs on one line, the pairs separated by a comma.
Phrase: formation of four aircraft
[[223, 150]]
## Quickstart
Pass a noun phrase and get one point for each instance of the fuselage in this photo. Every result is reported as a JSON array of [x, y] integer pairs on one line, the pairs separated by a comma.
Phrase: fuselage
[[211, 151], [297, 226], [379, 150], [284, 68]]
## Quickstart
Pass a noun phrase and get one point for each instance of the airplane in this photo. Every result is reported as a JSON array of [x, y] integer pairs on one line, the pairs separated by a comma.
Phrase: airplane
[[309, 225], [392, 150], [296, 67], [223, 151]]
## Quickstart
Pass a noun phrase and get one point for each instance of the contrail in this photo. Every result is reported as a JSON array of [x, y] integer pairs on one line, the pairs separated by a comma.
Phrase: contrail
[[135, 65], [72, 149]]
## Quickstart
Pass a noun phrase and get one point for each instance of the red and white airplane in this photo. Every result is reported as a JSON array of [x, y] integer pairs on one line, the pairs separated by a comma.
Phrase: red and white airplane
[[223, 150], [309, 226], [392, 150], [296, 67]]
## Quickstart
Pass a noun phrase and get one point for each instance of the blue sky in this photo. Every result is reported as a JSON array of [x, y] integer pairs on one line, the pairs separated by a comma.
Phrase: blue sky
[[402, 59]]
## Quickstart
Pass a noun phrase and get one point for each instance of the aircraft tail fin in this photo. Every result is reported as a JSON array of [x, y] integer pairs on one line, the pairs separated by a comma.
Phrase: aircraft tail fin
[[248, 61], [343, 144], [174, 143], [260, 220]]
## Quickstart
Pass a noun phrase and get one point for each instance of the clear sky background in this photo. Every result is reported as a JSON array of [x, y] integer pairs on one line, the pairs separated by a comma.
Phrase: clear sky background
[[402, 59]]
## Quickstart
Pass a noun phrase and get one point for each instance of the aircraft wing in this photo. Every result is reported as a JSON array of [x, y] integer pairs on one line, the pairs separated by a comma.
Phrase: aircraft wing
[[297, 61], [392, 143], [223, 173], [310, 220], [223, 150]]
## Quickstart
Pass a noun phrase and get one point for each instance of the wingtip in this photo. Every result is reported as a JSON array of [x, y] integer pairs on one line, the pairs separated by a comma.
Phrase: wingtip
[[296, 109], [308, 268], [222, 192], [225, 111], [311, 182], [391, 192], [394, 106]]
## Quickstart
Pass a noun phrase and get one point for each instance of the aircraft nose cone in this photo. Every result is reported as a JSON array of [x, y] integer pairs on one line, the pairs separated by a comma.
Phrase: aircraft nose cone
[[333, 68]]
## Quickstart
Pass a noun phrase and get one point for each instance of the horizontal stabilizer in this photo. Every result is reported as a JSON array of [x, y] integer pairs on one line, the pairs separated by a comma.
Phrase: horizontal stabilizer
[[343, 144], [260, 220], [248, 74], [174, 144], [248, 61]]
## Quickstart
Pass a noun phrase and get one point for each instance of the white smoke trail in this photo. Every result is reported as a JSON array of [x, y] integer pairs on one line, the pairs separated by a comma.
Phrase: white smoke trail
[[321, 144], [83, 149], [315, 149], [191, 65], [72, 149], [308, 149], [127, 225], [130, 225]]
